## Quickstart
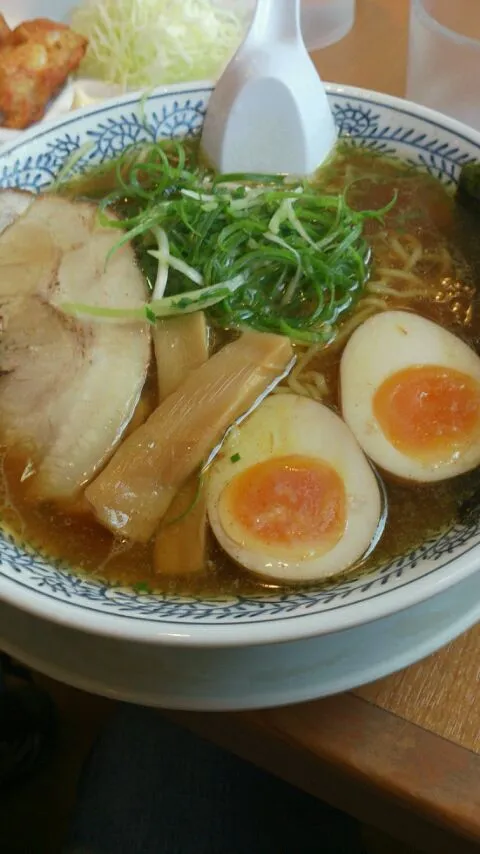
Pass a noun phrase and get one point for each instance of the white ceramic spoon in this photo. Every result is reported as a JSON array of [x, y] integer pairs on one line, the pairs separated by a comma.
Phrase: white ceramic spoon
[[269, 110]]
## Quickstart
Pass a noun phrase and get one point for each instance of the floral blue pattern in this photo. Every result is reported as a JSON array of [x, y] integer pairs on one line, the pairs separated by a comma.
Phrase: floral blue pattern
[[103, 139], [33, 163], [366, 126]]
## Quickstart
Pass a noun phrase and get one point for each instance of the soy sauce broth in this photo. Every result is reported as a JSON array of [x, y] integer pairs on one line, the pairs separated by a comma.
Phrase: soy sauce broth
[[424, 212]]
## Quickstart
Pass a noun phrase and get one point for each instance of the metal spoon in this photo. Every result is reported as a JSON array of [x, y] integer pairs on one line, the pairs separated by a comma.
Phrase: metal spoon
[[269, 111]]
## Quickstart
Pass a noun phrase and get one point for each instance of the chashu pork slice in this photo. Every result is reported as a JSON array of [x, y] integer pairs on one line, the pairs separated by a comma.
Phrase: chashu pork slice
[[13, 203], [68, 386]]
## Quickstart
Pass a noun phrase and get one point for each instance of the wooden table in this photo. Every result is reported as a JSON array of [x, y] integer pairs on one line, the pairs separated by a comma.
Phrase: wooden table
[[402, 754]]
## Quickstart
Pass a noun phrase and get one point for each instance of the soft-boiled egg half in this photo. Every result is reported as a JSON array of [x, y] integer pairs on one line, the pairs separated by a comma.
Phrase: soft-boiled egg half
[[292, 496], [410, 392]]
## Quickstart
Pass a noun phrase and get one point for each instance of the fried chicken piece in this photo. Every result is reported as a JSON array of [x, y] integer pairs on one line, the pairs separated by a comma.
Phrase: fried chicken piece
[[4, 30], [35, 61]]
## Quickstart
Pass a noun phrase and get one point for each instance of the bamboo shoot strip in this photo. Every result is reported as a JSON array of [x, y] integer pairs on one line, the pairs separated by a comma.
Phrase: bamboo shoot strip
[[134, 491], [181, 345], [181, 541]]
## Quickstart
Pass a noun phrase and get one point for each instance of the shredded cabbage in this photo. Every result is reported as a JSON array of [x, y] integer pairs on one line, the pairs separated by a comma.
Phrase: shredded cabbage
[[143, 43]]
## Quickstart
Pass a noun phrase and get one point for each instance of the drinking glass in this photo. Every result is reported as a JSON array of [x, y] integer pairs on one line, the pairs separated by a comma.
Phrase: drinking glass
[[444, 57], [324, 22]]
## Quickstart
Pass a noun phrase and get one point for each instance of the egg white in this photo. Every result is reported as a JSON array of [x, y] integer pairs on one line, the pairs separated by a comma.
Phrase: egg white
[[382, 346], [284, 425]]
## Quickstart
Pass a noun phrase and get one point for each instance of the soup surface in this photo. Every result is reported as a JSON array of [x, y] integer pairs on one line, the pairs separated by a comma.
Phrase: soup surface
[[423, 261]]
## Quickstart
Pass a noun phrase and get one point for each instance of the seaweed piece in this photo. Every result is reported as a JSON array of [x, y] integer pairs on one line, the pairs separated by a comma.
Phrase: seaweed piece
[[468, 511], [466, 224], [468, 192]]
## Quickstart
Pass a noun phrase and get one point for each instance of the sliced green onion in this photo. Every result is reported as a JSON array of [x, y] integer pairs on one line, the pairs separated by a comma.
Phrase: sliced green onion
[[179, 265], [265, 252], [184, 303], [190, 301], [198, 197], [70, 164], [163, 267], [79, 309], [280, 215], [296, 223]]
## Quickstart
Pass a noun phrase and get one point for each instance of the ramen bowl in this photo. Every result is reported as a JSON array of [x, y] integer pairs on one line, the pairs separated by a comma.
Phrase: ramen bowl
[[48, 591]]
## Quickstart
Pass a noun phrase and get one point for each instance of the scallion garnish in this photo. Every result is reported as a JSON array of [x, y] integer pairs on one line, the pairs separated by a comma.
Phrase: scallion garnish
[[260, 251]]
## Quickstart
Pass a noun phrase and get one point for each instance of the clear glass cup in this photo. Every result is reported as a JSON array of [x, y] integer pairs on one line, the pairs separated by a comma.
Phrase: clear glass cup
[[444, 57], [324, 22]]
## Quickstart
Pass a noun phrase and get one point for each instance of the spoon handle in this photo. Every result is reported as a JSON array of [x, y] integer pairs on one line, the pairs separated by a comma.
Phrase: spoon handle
[[276, 21]]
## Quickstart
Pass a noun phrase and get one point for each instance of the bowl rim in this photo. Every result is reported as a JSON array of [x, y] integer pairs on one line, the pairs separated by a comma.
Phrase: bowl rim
[[289, 628]]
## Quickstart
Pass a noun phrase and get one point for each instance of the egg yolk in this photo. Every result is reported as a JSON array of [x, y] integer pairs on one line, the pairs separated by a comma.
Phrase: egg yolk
[[289, 501], [428, 411]]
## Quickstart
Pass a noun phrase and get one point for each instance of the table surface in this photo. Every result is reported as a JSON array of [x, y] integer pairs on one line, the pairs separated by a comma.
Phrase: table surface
[[404, 753]]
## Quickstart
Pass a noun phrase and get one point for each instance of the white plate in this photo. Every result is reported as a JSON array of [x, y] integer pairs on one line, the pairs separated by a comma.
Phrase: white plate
[[231, 679], [16, 11], [321, 26], [58, 106]]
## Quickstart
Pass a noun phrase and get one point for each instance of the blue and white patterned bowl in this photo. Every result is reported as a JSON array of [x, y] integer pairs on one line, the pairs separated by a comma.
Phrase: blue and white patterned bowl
[[389, 125]]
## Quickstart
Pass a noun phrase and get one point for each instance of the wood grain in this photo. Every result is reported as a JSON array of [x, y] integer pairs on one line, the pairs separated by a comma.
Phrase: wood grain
[[373, 55], [441, 694], [382, 750], [368, 762]]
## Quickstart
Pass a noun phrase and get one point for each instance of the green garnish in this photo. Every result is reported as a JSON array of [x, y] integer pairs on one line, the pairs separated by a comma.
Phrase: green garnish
[[142, 587], [69, 165], [277, 256], [185, 303], [235, 458], [468, 191], [150, 315], [194, 501]]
